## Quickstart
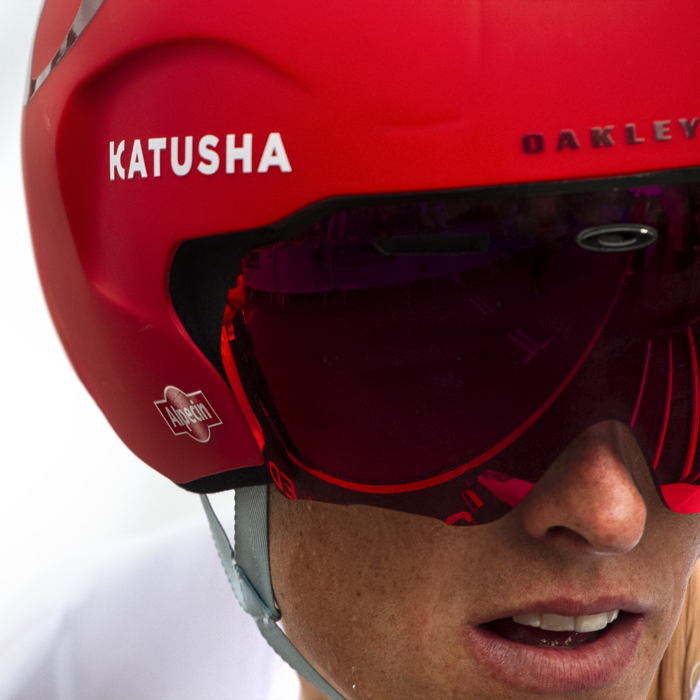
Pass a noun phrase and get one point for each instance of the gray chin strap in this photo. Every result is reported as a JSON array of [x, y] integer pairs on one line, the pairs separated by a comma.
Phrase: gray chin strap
[[248, 571]]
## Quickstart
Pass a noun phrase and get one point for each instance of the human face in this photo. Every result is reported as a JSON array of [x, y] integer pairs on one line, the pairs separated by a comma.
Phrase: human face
[[389, 605]]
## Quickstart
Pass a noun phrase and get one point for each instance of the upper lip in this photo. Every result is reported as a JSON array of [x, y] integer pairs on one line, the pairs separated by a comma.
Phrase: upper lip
[[568, 607]]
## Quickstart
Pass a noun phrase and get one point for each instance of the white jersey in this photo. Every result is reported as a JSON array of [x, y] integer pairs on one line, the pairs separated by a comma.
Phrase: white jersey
[[151, 618]]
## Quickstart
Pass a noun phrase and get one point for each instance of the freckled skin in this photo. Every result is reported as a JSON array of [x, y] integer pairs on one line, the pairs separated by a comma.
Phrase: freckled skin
[[379, 601]]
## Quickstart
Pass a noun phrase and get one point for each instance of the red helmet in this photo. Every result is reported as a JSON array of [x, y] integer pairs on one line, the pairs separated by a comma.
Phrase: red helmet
[[179, 163]]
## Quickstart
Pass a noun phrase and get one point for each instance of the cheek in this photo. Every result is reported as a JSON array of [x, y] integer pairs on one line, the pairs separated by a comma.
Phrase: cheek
[[361, 602], [672, 543], [325, 587]]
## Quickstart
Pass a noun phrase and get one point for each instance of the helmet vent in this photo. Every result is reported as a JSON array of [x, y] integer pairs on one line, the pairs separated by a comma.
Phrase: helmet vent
[[617, 238]]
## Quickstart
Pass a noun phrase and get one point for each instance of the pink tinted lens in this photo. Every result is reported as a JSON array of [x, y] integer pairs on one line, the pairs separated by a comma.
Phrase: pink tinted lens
[[405, 352]]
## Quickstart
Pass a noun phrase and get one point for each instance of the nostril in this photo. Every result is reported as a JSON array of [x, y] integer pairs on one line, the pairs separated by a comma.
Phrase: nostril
[[565, 534]]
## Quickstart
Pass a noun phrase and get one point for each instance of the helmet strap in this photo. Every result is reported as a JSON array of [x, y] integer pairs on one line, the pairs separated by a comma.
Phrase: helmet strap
[[248, 571]]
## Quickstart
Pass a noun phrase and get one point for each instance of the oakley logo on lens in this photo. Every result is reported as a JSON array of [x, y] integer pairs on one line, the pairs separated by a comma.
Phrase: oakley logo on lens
[[616, 238], [605, 136], [188, 414]]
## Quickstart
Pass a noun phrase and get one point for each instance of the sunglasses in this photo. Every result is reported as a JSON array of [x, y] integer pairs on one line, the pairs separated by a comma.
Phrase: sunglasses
[[436, 354]]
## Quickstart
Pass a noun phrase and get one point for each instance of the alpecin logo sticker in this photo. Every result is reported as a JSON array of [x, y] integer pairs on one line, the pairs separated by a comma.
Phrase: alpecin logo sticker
[[188, 414]]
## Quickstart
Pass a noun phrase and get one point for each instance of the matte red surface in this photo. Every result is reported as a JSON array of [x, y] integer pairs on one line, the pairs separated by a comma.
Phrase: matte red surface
[[367, 98]]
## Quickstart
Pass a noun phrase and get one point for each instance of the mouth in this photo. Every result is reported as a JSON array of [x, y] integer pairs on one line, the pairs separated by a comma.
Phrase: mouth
[[553, 631], [550, 652]]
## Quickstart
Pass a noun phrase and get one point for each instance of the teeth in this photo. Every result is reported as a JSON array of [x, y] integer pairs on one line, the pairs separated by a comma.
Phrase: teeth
[[558, 623], [531, 620], [591, 623]]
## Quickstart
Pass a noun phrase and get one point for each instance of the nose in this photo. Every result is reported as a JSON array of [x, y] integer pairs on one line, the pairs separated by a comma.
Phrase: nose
[[587, 499]]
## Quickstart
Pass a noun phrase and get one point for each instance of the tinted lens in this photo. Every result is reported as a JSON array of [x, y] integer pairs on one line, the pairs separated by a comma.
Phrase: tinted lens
[[436, 356]]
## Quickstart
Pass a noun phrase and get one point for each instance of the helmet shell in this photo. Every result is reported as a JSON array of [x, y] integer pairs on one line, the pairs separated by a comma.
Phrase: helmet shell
[[331, 100]]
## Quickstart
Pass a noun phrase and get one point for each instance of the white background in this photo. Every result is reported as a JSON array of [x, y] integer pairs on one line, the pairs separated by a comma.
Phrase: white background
[[67, 484]]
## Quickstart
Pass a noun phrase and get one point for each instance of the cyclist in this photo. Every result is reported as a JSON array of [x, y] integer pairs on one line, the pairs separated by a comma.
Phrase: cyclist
[[421, 283]]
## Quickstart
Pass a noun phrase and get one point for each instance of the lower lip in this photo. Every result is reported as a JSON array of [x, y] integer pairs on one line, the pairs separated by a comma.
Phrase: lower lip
[[551, 670]]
